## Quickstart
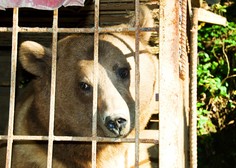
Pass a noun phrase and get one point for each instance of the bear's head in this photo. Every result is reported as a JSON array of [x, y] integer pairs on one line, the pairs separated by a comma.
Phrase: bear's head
[[75, 82]]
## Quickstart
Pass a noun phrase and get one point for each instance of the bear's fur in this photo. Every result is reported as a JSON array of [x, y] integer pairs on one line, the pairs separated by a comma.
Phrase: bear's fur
[[74, 98]]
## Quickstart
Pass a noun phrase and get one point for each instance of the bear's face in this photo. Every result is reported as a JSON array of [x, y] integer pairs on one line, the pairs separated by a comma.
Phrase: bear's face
[[114, 103], [75, 82], [116, 87]]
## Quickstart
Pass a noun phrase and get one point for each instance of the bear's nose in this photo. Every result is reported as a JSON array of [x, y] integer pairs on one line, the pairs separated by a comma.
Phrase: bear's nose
[[116, 125]]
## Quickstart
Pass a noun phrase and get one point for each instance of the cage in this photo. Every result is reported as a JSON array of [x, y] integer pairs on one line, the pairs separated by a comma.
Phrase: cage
[[163, 143]]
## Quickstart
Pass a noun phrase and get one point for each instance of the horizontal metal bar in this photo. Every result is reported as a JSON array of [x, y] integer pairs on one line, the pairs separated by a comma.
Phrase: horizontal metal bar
[[87, 139], [25, 137], [75, 30], [5, 29]]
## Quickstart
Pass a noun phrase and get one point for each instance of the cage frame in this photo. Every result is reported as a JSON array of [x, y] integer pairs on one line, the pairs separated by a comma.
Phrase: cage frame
[[173, 135]]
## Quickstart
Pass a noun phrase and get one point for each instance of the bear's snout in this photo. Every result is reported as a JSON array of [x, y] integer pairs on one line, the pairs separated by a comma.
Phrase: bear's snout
[[116, 125]]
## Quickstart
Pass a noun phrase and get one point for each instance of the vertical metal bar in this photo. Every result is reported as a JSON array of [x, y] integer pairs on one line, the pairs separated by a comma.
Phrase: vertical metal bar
[[95, 88], [13, 87], [53, 89], [137, 81], [193, 90], [171, 141], [183, 40]]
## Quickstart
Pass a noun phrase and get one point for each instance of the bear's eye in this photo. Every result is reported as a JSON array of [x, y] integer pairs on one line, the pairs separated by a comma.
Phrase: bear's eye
[[123, 73], [85, 87]]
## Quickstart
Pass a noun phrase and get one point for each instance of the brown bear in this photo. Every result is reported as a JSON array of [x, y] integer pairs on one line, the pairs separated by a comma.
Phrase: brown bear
[[74, 98]]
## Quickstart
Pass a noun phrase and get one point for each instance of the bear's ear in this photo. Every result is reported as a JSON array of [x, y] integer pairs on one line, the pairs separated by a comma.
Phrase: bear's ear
[[35, 58], [145, 21]]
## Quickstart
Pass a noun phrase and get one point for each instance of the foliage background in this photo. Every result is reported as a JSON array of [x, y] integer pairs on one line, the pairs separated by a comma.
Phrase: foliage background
[[216, 91]]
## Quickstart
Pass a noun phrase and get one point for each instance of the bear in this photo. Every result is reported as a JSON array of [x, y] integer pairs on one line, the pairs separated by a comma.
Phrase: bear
[[74, 98]]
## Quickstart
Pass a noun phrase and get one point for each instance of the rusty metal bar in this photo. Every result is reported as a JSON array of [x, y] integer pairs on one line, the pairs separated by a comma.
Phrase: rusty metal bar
[[171, 148], [74, 30], [151, 139], [137, 81], [24, 137], [193, 90], [95, 88], [13, 86], [183, 40], [6, 29], [53, 89]]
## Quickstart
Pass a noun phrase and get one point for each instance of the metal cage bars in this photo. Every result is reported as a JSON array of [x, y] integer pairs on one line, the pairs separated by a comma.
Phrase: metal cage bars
[[51, 138]]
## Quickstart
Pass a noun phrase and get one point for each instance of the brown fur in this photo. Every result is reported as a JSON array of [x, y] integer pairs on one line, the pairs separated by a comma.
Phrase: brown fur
[[73, 108]]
